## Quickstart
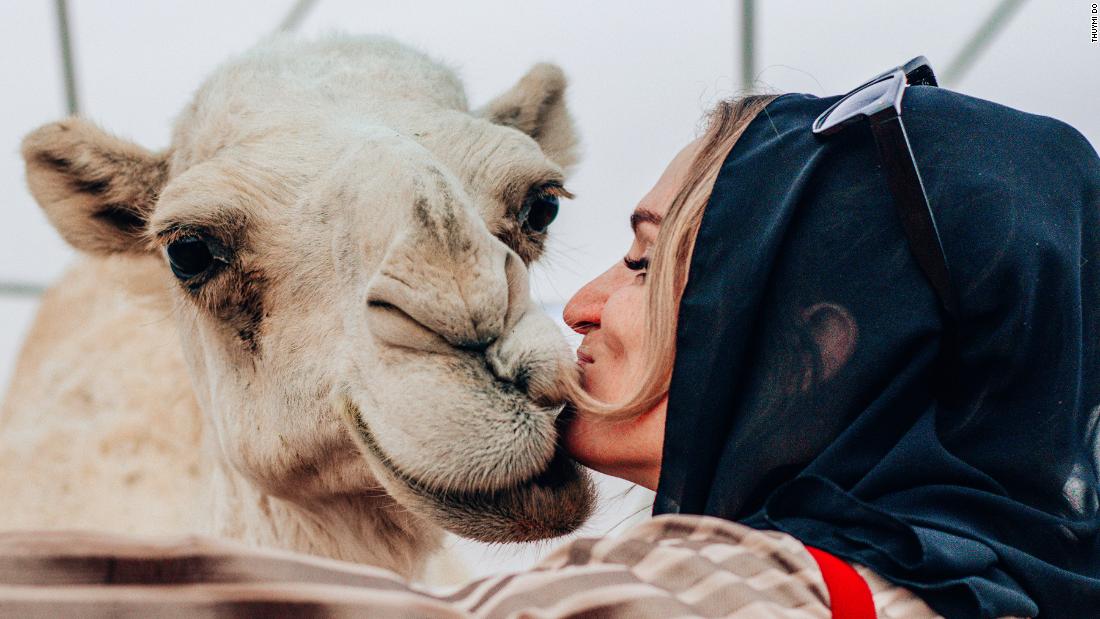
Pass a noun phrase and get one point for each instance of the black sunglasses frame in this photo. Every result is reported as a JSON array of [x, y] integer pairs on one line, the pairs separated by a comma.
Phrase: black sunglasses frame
[[883, 113]]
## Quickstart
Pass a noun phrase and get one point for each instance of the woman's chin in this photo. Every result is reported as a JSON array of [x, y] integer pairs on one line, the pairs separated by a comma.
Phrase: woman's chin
[[629, 449], [571, 435], [590, 442]]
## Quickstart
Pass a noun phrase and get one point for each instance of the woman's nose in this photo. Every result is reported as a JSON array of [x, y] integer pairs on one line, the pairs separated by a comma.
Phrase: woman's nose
[[582, 312]]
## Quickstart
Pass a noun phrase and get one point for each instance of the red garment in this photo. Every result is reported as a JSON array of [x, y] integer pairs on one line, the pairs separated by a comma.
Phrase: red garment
[[849, 595]]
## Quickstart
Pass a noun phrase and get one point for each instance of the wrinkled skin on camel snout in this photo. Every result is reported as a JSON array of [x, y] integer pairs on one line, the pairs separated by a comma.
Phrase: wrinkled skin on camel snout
[[365, 318]]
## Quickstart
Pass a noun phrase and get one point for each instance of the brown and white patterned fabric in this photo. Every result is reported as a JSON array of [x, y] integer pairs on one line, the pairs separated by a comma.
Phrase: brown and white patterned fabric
[[670, 566]]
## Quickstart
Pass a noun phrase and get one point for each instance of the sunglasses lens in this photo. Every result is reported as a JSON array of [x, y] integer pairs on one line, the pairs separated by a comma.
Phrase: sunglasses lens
[[869, 99]]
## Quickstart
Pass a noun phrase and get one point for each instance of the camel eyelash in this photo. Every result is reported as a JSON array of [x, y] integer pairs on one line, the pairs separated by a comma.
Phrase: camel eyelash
[[556, 189], [636, 265]]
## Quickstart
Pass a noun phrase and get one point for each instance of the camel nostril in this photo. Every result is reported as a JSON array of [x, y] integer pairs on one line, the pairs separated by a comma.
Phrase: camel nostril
[[383, 305], [393, 325], [476, 346]]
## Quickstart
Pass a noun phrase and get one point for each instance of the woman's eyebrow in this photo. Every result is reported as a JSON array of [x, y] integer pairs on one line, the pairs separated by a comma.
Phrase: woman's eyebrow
[[643, 215]]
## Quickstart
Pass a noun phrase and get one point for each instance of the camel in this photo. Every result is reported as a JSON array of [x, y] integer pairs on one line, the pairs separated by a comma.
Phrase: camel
[[309, 313]]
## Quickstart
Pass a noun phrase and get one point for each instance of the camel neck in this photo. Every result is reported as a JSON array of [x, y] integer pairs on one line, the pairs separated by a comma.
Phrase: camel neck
[[368, 527]]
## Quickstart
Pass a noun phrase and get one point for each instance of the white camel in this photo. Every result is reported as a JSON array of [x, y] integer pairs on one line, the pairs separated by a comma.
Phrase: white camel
[[341, 245]]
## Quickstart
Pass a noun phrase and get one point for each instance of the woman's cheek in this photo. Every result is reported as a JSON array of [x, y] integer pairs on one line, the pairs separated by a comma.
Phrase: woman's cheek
[[626, 330], [602, 380]]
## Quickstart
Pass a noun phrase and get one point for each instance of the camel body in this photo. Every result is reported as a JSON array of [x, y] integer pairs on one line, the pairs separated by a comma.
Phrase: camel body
[[84, 445]]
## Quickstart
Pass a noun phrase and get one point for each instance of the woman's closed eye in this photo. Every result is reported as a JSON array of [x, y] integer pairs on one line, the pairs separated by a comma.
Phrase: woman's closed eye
[[641, 265]]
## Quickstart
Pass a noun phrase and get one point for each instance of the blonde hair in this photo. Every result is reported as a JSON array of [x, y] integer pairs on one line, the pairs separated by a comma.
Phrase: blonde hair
[[671, 260]]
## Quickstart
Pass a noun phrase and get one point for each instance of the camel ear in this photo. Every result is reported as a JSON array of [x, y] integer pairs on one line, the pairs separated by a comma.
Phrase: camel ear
[[96, 189], [536, 106]]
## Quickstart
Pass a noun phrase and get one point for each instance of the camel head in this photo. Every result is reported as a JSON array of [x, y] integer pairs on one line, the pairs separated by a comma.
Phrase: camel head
[[347, 245]]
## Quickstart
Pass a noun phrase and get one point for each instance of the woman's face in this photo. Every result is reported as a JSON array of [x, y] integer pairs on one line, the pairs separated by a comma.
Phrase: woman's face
[[610, 311]]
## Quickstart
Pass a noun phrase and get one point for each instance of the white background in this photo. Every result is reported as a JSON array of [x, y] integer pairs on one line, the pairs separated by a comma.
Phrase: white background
[[641, 75]]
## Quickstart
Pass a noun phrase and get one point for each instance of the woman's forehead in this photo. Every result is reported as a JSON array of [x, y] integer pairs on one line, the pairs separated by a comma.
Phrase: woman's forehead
[[660, 197]]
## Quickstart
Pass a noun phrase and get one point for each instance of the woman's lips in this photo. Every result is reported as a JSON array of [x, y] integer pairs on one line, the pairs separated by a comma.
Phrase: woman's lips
[[583, 358]]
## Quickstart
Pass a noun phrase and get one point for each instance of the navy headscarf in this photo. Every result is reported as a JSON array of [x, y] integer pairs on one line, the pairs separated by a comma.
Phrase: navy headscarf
[[972, 480]]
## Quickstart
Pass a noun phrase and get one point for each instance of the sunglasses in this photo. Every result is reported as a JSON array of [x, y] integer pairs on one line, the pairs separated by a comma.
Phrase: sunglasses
[[878, 101]]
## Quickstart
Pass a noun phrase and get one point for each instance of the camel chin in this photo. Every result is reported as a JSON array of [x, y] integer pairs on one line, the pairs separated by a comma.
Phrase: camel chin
[[554, 501]]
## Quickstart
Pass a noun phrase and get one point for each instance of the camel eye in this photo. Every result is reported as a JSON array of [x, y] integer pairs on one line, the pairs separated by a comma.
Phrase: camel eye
[[190, 257], [539, 210]]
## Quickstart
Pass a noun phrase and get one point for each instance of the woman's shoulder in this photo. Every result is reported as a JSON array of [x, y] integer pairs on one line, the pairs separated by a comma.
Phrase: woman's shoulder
[[714, 565], [706, 565]]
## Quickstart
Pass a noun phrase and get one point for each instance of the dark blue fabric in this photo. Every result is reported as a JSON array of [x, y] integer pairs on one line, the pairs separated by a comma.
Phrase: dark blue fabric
[[974, 487]]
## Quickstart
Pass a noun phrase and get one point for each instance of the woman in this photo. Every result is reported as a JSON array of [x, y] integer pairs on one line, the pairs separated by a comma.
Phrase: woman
[[771, 358], [818, 388]]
